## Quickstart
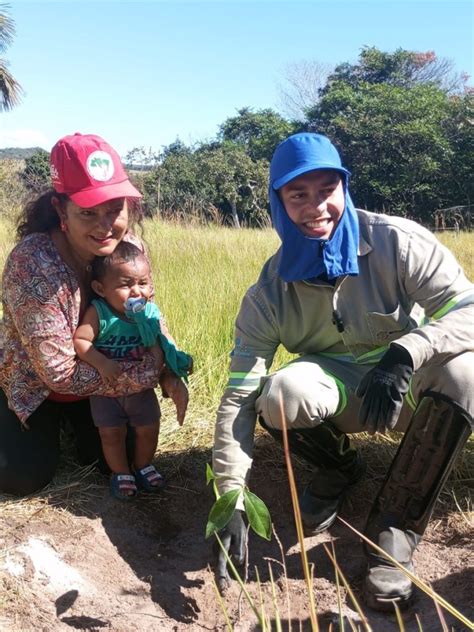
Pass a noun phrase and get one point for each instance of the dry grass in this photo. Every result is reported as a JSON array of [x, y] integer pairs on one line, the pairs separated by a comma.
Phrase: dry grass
[[201, 275]]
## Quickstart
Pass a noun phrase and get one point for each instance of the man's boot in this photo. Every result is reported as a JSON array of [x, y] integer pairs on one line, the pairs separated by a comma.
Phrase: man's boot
[[437, 433], [337, 466]]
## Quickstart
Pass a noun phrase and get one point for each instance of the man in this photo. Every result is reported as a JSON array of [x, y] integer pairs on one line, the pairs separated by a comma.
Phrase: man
[[340, 292]]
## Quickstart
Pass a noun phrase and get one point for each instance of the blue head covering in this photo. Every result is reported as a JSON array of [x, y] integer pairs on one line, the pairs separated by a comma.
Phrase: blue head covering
[[305, 257]]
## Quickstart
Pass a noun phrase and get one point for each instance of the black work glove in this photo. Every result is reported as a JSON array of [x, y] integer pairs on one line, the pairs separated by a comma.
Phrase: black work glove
[[234, 539], [382, 390]]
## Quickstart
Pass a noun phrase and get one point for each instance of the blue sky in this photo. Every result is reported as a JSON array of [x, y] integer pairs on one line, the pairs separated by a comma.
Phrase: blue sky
[[144, 73]]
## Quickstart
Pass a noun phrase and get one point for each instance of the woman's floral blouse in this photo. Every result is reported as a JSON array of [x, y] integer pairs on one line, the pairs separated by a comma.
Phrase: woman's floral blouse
[[41, 303]]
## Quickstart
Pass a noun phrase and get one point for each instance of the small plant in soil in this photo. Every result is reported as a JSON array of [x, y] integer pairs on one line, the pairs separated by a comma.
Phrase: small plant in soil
[[223, 509]]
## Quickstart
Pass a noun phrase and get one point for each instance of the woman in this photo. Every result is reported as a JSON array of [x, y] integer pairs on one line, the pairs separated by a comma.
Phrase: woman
[[46, 290]]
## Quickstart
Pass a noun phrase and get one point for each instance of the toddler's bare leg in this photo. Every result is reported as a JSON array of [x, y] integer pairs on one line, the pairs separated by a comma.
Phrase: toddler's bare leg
[[146, 441], [113, 446]]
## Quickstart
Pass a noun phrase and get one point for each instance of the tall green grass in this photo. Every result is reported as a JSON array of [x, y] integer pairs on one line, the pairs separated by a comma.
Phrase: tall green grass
[[201, 274]]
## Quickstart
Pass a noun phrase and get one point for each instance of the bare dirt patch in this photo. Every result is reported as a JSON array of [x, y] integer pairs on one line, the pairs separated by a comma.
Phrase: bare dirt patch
[[74, 558]]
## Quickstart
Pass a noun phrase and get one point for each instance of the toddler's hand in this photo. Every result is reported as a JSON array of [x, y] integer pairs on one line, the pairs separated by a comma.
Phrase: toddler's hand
[[110, 371], [172, 386]]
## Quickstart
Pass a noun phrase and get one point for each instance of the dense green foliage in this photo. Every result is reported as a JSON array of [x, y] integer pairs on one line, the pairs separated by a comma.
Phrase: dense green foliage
[[402, 68], [36, 173], [258, 133], [407, 141], [212, 181], [395, 143], [402, 122]]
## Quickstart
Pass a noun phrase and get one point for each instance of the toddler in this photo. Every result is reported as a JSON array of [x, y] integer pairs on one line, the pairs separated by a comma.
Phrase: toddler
[[120, 324]]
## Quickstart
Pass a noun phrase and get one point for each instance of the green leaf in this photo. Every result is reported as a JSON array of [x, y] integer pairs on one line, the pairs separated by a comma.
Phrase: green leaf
[[210, 476], [258, 515], [222, 511]]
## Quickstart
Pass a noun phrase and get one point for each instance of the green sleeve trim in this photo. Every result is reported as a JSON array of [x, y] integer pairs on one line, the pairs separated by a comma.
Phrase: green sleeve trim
[[249, 381], [371, 357], [453, 304]]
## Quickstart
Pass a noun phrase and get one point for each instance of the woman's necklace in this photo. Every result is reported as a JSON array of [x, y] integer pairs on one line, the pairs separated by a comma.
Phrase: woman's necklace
[[82, 267]]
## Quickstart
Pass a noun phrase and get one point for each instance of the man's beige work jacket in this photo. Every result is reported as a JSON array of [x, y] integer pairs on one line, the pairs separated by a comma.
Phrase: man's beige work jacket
[[401, 266]]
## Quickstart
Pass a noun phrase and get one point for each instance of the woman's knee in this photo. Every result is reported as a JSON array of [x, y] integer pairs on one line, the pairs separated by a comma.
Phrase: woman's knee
[[28, 458], [20, 478]]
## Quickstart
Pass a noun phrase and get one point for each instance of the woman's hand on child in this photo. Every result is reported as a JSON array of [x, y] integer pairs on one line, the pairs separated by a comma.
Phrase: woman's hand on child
[[172, 386], [159, 356]]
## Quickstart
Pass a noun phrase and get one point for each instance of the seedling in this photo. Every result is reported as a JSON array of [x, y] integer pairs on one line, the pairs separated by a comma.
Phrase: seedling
[[223, 509]]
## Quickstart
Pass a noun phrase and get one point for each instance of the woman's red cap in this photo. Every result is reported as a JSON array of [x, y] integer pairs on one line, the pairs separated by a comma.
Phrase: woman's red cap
[[89, 171]]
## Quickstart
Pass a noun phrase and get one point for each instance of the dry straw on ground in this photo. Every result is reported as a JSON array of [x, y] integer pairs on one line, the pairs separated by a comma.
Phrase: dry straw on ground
[[143, 565]]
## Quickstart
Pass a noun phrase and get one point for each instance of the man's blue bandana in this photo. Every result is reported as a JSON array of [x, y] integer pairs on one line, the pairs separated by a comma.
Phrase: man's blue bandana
[[305, 257]]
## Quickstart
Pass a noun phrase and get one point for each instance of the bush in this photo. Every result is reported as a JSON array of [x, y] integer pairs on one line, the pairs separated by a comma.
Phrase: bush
[[36, 174], [12, 190]]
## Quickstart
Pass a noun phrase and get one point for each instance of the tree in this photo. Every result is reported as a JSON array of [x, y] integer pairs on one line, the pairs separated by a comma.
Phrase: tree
[[258, 133], [402, 68], [10, 89], [240, 183], [195, 182], [301, 87], [406, 137], [172, 185], [457, 182], [177, 148], [36, 173], [141, 158], [393, 140]]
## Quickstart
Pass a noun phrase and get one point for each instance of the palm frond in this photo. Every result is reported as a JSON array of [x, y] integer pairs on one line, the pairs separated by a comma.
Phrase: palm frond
[[10, 90], [7, 27]]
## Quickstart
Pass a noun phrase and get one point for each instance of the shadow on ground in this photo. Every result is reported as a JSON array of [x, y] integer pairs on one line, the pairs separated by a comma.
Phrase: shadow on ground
[[161, 539]]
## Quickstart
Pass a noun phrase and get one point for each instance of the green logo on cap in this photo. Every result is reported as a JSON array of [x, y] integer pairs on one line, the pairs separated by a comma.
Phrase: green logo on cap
[[100, 166]]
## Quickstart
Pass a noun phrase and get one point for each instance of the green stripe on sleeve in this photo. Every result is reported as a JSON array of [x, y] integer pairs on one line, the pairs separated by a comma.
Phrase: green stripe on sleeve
[[249, 381], [465, 298], [371, 357]]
